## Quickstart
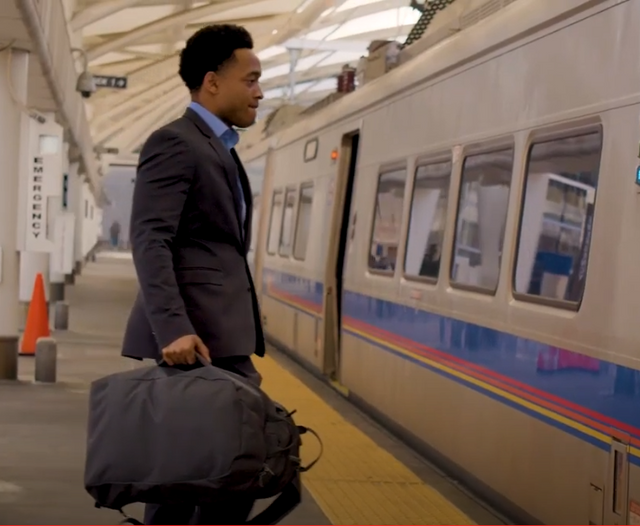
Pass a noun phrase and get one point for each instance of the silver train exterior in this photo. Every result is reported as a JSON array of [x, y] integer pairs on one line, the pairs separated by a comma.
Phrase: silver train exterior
[[456, 247]]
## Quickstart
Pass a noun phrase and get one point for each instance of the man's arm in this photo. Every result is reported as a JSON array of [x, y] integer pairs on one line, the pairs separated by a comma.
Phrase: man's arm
[[164, 175]]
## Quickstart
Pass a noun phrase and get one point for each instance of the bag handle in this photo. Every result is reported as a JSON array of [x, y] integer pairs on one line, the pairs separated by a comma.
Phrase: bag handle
[[200, 361]]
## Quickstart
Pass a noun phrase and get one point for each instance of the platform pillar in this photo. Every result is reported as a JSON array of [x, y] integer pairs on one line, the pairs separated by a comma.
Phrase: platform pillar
[[13, 126]]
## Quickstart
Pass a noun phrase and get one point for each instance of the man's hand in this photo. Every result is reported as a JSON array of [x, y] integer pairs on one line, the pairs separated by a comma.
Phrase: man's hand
[[184, 350]]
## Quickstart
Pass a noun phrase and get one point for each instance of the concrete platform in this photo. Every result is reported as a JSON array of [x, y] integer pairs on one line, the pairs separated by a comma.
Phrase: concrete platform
[[42, 427]]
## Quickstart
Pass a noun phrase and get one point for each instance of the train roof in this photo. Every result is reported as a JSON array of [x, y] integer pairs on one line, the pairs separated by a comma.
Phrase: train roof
[[522, 19]]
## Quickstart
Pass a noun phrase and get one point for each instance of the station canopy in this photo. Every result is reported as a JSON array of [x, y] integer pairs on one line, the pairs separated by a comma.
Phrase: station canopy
[[303, 44]]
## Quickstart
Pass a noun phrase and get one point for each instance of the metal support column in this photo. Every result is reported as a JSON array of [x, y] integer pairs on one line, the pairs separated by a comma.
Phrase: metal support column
[[294, 55], [14, 66]]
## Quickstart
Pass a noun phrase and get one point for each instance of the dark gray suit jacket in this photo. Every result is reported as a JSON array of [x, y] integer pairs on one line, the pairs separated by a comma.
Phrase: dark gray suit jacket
[[189, 246]]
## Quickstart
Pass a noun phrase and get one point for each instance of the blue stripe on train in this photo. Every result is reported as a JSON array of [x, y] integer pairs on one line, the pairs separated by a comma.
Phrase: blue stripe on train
[[611, 390]]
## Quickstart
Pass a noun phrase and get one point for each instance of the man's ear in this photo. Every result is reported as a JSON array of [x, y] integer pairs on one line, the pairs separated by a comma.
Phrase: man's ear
[[211, 82]]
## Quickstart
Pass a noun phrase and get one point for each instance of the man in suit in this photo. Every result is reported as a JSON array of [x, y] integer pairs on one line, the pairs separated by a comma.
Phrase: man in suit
[[191, 230]]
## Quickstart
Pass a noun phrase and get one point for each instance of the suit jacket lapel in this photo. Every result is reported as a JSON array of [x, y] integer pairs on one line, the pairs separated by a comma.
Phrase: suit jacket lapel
[[231, 167], [248, 199]]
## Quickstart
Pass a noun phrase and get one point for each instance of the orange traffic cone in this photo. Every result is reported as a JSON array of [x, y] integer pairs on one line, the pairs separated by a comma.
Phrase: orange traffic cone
[[37, 319]]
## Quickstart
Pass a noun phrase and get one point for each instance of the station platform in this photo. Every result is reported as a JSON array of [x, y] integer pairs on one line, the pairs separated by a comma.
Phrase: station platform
[[364, 477]]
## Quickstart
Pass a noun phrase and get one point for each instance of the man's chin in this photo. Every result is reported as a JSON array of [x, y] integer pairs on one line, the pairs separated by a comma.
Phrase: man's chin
[[250, 118]]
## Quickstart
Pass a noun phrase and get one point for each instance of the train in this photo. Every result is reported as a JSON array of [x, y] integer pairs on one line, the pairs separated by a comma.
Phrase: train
[[454, 246]]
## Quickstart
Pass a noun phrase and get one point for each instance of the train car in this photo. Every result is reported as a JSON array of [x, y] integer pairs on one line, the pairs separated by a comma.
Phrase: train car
[[455, 247]]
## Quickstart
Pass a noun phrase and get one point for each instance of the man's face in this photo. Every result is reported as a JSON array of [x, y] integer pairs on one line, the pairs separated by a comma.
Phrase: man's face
[[236, 89]]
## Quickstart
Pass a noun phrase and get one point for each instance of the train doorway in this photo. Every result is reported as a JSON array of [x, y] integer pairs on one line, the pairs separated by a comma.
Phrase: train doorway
[[339, 237]]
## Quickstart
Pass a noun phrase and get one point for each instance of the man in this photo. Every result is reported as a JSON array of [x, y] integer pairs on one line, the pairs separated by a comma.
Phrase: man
[[114, 232], [190, 232]]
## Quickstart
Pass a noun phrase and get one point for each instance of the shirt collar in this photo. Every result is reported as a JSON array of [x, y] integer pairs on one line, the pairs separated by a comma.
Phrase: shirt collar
[[227, 135]]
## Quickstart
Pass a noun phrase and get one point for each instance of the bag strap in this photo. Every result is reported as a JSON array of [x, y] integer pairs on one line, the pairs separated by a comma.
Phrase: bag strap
[[129, 520], [286, 502], [302, 430], [291, 495]]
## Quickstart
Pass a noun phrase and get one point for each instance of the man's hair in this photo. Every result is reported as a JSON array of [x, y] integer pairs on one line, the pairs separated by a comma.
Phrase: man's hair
[[209, 49]]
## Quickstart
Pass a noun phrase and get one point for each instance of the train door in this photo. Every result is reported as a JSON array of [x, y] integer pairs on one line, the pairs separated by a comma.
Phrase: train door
[[336, 252], [264, 213]]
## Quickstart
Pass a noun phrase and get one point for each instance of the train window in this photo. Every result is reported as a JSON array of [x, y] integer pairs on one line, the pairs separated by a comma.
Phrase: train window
[[286, 235], [275, 223], [427, 220], [255, 221], [303, 223], [387, 221], [557, 215], [482, 216]]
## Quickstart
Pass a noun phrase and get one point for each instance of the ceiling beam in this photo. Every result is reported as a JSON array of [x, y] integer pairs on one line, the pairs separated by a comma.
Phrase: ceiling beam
[[255, 25], [140, 79], [341, 17], [120, 67], [100, 10], [301, 19], [103, 135], [327, 45], [163, 24], [305, 97], [110, 121], [146, 54], [176, 33], [130, 104], [256, 22], [141, 133], [157, 80], [316, 73]]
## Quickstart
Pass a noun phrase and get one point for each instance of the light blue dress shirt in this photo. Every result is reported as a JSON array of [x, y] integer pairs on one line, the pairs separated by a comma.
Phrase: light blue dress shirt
[[229, 138]]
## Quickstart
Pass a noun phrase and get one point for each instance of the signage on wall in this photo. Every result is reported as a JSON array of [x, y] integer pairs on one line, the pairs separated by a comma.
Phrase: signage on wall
[[65, 191], [41, 182], [39, 190], [108, 81], [36, 205]]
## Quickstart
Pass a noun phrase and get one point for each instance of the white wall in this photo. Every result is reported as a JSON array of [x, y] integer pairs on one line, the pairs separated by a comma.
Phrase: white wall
[[90, 220]]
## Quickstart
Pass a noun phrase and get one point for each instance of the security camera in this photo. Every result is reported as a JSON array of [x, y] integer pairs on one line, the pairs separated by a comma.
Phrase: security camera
[[86, 84]]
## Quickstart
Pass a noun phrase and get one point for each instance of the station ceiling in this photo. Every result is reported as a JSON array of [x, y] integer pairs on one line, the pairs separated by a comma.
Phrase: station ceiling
[[140, 40]]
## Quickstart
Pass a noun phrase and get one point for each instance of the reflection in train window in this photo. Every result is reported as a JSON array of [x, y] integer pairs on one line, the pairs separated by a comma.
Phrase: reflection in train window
[[275, 222], [385, 235], [255, 218], [482, 216], [427, 220], [555, 229], [286, 235], [304, 222]]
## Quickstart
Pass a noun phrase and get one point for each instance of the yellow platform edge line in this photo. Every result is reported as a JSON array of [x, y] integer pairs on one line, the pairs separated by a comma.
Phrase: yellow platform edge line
[[356, 481]]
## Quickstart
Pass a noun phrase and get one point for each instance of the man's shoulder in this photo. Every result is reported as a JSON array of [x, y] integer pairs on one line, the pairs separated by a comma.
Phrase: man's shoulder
[[177, 129], [173, 138]]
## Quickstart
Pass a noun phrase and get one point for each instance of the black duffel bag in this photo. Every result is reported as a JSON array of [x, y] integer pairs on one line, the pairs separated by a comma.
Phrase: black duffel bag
[[195, 436]]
